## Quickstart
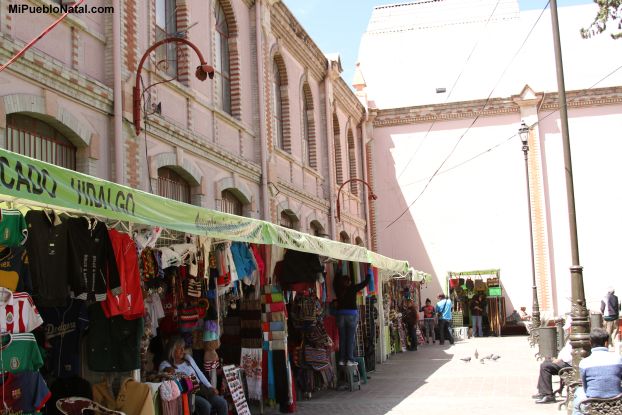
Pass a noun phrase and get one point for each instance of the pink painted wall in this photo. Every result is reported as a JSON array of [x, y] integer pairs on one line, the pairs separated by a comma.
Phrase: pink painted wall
[[475, 215]]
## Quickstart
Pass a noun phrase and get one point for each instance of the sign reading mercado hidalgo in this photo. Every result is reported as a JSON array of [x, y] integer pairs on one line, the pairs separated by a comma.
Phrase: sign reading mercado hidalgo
[[43, 183]]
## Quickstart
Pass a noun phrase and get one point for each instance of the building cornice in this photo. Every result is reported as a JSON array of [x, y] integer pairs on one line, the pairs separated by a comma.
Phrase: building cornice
[[51, 74], [297, 41], [307, 198], [194, 144], [495, 107], [350, 103], [352, 220]]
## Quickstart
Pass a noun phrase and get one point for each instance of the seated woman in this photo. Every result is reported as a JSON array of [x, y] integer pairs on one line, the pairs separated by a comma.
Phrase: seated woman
[[178, 361]]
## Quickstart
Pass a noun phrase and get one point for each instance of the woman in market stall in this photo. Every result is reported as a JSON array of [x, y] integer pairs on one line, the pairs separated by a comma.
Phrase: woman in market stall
[[347, 316], [207, 400]]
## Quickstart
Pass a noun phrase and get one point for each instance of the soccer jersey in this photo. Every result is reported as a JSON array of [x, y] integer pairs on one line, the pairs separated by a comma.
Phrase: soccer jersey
[[18, 314], [63, 326], [13, 230], [23, 393], [14, 272], [47, 251], [20, 353]]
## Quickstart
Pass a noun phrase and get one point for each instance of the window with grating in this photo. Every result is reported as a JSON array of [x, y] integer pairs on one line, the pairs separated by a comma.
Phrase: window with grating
[[172, 186], [222, 59], [34, 138], [230, 204], [166, 26], [277, 106], [306, 155]]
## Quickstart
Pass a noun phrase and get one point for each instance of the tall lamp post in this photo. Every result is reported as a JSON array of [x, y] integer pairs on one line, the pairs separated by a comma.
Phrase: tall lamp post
[[523, 133], [579, 336], [371, 196]]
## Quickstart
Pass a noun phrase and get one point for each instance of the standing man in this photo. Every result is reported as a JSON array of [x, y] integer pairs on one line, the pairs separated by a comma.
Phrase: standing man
[[601, 371], [443, 308], [476, 315], [610, 308], [411, 319]]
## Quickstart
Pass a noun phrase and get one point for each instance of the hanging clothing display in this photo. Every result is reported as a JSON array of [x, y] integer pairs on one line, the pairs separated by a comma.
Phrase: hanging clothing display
[[47, 246], [18, 314], [64, 327], [92, 265], [133, 398], [20, 353], [14, 270], [23, 393], [13, 231]]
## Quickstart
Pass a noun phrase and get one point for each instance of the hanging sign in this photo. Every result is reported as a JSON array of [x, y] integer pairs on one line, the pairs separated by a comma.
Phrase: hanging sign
[[29, 179]]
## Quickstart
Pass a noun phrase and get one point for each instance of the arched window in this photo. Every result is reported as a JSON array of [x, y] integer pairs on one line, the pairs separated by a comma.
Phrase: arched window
[[358, 241], [354, 186], [344, 237], [230, 203], [171, 185], [277, 106], [337, 145], [222, 61], [34, 138], [316, 229], [166, 25], [288, 219], [308, 128]]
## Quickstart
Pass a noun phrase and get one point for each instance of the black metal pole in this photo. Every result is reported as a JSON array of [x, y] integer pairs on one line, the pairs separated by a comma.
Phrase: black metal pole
[[535, 313], [579, 337]]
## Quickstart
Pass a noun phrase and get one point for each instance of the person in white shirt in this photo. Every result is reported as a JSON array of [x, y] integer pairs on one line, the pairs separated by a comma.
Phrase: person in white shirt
[[548, 369]]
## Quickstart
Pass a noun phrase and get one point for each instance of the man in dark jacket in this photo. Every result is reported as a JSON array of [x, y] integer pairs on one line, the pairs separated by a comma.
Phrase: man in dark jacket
[[610, 307], [347, 316]]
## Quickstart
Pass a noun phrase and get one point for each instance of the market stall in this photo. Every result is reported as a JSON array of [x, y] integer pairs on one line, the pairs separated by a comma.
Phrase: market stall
[[114, 283], [464, 287]]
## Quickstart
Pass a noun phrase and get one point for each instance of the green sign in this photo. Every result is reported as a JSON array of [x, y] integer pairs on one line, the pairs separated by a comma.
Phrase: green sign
[[43, 183]]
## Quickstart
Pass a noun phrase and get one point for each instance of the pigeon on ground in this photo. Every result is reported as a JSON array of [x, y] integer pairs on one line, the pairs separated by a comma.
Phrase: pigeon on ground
[[495, 357], [476, 354], [466, 359], [487, 357], [481, 360]]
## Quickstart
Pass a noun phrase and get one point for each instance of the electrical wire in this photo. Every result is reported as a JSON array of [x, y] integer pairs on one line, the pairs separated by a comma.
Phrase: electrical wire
[[507, 140], [451, 90], [474, 120]]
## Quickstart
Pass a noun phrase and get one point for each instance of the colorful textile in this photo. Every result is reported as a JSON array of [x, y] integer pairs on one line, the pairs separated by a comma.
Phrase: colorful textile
[[18, 314], [20, 353], [13, 230], [251, 363], [23, 393]]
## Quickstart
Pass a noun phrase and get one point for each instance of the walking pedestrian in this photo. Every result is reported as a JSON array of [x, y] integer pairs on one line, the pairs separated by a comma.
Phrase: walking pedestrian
[[411, 319], [428, 320], [610, 308], [443, 308]]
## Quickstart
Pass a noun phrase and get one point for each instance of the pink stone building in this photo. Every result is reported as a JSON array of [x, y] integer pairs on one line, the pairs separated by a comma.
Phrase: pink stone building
[[272, 136], [426, 72]]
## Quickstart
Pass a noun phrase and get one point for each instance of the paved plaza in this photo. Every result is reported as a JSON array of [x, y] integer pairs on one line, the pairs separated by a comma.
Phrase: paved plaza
[[434, 380]]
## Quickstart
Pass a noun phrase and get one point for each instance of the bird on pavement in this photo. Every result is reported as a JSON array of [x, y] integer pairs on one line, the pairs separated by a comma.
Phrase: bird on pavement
[[496, 357], [481, 360], [466, 359], [476, 354], [487, 357]]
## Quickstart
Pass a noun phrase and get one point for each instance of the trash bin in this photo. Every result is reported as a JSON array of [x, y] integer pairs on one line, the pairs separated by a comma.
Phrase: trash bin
[[596, 320], [547, 342]]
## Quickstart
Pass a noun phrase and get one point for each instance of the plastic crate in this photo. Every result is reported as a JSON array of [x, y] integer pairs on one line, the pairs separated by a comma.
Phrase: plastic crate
[[494, 291]]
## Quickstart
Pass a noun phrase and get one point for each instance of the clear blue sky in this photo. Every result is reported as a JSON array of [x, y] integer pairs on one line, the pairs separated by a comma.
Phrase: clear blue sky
[[337, 25]]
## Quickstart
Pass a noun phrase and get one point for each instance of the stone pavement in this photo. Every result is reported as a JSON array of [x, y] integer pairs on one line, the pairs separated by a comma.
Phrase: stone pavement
[[434, 380]]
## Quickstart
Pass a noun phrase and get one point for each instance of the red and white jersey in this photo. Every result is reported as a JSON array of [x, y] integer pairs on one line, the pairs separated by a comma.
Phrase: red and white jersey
[[18, 314]]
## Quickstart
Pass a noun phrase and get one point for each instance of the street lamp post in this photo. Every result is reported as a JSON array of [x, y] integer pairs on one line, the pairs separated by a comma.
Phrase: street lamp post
[[371, 196], [523, 133], [579, 336]]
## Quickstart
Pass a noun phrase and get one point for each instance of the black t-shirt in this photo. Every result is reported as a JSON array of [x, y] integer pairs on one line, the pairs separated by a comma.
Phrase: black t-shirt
[[47, 250], [92, 264]]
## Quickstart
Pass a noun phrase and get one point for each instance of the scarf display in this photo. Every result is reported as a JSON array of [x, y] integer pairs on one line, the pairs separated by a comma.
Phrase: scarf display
[[251, 363]]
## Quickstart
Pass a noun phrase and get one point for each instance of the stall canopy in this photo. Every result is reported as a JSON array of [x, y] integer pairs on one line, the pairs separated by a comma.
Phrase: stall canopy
[[32, 181]]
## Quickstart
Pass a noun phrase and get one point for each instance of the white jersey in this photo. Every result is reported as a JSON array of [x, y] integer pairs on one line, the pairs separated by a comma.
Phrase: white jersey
[[18, 314]]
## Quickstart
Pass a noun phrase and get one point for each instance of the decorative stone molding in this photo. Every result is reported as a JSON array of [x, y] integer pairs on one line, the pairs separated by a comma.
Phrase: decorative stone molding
[[185, 169], [233, 184]]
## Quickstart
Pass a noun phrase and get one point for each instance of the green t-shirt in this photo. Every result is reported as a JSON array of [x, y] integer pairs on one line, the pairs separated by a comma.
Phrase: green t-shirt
[[20, 353], [13, 230]]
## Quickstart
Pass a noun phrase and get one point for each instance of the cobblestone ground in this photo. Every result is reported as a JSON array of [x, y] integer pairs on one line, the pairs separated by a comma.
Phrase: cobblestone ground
[[434, 380]]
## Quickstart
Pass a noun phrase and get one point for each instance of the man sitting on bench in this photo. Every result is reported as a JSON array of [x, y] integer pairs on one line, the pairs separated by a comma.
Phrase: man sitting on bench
[[601, 372]]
